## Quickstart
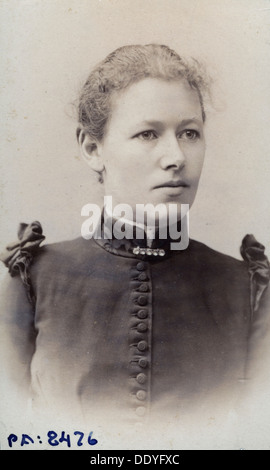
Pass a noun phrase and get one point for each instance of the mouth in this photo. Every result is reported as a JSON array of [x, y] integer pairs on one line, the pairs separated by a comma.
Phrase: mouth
[[173, 184]]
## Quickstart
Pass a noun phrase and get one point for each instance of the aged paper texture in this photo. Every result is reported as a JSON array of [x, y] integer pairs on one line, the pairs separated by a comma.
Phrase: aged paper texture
[[48, 48]]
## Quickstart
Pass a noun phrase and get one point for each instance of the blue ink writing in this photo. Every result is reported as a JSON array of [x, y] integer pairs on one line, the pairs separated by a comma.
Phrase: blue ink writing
[[54, 439], [81, 434], [12, 438], [26, 440]]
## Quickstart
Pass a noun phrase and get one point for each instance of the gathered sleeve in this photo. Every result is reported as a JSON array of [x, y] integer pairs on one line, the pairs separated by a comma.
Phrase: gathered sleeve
[[17, 307], [258, 360], [19, 255], [258, 265]]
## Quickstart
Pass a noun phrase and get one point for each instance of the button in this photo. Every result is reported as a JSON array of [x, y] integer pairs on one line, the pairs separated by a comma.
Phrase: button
[[143, 362], [142, 300], [141, 378], [143, 277], [143, 288], [141, 395], [140, 266], [141, 410], [142, 314], [142, 346], [142, 327]]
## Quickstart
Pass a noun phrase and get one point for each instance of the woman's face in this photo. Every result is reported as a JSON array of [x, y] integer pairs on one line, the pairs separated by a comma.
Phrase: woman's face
[[154, 147]]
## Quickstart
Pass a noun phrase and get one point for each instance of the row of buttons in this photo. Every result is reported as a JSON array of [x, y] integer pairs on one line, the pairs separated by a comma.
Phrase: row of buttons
[[139, 339]]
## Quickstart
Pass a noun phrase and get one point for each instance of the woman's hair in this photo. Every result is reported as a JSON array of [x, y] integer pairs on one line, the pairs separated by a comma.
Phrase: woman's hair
[[125, 66]]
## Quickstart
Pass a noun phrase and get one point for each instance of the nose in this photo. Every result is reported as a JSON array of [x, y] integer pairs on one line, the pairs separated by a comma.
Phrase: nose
[[173, 156]]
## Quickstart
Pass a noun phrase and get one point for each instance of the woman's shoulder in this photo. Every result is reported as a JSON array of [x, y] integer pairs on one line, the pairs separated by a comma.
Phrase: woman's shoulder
[[251, 251], [253, 268], [205, 253], [73, 251], [29, 245], [30, 258]]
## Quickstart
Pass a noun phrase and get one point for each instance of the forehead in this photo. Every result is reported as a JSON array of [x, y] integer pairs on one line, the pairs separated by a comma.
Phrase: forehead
[[153, 98]]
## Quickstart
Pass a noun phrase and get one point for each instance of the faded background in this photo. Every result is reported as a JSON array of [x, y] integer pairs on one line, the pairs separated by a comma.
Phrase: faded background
[[47, 50]]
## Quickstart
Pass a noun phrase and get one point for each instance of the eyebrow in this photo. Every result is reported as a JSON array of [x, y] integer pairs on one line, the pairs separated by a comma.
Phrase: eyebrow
[[184, 122]]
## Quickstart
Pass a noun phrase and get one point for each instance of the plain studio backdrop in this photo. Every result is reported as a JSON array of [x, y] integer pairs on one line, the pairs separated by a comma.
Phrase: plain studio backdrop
[[47, 50]]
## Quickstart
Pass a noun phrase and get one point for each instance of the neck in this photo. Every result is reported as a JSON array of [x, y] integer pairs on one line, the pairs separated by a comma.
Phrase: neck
[[123, 227]]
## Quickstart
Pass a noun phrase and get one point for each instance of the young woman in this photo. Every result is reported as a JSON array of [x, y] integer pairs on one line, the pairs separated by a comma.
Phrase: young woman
[[129, 326]]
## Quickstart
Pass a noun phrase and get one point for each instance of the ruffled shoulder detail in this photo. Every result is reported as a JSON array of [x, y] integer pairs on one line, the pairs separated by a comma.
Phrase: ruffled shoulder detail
[[253, 254], [18, 255]]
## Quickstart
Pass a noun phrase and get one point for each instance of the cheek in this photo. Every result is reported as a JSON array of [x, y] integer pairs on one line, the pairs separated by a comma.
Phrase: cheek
[[195, 161], [122, 171], [123, 160]]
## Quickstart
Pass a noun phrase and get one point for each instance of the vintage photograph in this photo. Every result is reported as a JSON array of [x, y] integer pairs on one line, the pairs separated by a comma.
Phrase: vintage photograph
[[135, 301]]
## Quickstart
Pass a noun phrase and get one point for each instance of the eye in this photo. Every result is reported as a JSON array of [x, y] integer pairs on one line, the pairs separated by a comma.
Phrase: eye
[[147, 135], [190, 134]]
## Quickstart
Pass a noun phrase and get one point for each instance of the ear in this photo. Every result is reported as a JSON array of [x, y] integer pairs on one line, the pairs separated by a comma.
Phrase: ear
[[90, 150]]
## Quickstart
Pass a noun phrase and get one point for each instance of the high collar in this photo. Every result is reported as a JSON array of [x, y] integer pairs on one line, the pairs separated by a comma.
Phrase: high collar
[[134, 242]]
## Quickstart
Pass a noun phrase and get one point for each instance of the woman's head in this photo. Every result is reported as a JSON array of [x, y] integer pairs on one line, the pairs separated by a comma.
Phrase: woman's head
[[125, 66], [141, 117]]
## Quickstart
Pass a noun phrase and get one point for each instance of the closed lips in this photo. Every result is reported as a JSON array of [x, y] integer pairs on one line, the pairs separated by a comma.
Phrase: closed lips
[[172, 184]]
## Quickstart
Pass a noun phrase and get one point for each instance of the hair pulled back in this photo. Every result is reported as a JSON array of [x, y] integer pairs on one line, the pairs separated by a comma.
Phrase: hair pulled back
[[125, 66]]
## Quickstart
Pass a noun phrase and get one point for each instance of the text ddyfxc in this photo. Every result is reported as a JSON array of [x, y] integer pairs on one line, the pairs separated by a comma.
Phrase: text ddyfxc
[[136, 459]]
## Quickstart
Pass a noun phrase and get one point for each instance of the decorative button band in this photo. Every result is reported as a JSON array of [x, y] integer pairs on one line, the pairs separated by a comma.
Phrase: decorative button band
[[148, 251]]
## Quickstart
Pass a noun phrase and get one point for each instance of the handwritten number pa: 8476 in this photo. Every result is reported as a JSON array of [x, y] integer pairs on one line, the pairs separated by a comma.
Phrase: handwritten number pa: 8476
[[54, 439]]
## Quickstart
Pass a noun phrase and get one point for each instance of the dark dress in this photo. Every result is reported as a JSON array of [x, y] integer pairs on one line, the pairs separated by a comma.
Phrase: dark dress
[[94, 326]]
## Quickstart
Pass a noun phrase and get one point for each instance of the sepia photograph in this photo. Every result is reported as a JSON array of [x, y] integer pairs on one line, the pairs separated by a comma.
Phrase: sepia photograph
[[135, 228]]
